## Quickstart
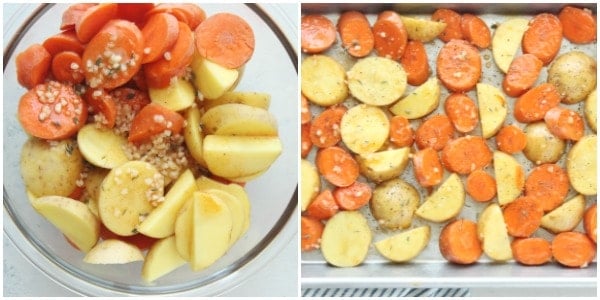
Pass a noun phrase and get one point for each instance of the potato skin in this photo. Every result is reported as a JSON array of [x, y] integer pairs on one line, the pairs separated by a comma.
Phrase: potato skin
[[50, 168], [542, 146], [393, 204], [574, 75]]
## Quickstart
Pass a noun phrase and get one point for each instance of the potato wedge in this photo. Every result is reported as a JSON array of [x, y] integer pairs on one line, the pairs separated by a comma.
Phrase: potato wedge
[[92, 184], [492, 109], [183, 230], [346, 239], [364, 128], [422, 29], [238, 215], [590, 110], [255, 99], [73, 218], [179, 95], [238, 119], [510, 177], [238, 156], [574, 75], [113, 251], [310, 183], [423, 100], [323, 80], [160, 223], [211, 230], [383, 165], [445, 203], [236, 190], [211, 79], [542, 146], [50, 168], [493, 234], [582, 165], [507, 41], [102, 147], [125, 196], [161, 259], [404, 246], [393, 204], [565, 217], [376, 80], [193, 135]]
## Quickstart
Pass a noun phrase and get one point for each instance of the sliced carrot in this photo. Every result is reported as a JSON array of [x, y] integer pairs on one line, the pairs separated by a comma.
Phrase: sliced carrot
[[466, 154], [305, 115], [435, 132], [475, 31], [533, 105], [573, 249], [160, 33], [311, 231], [459, 66], [481, 186], [522, 73], [323, 206], [188, 13], [415, 63], [355, 33], [102, 102], [134, 12], [523, 216], [543, 37], [225, 39], [459, 242], [579, 25], [67, 67], [401, 133], [390, 35], [64, 41], [317, 33], [565, 123], [548, 184], [136, 99], [532, 251], [325, 128], [139, 81], [511, 139], [462, 112], [453, 24], [589, 222], [159, 74], [93, 19], [33, 65], [337, 166], [73, 14], [52, 111], [427, 167], [306, 143], [139, 240], [77, 193], [114, 55], [154, 119], [352, 197]]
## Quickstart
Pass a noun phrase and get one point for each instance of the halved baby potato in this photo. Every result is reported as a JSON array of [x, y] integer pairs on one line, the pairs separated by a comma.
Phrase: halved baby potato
[[590, 110], [193, 135], [510, 177], [364, 128], [179, 95], [492, 109], [445, 203], [507, 40], [404, 246], [211, 79], [423, 30], [126, 194], [376, 80], [323, 80], [542, 146], [310, 183], [383, 165], [238, 214], [393, 204], [346, 239], [565, 217], [183, 230], [582, 165], [162, 258], [493, 234], [255, 99], [102, 147], [422, 101]]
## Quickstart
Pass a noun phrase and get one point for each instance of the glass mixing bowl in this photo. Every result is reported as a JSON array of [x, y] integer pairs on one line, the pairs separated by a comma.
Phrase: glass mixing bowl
[[273, 196]]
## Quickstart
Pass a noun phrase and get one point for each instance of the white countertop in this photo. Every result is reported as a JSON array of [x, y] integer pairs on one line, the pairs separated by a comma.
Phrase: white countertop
[[277, 278]]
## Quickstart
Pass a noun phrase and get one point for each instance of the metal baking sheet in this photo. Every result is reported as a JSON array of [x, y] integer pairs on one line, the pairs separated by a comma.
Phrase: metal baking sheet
[[430, 269]]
